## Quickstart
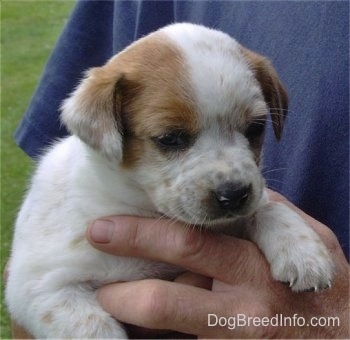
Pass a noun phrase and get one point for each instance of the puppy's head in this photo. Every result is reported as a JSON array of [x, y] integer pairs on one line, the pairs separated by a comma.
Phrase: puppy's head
[[183, 111]]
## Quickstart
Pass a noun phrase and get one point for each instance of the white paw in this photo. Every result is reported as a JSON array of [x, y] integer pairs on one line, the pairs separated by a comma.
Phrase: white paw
[[295, 252], [70, 312], [92, 326], [305, 265]]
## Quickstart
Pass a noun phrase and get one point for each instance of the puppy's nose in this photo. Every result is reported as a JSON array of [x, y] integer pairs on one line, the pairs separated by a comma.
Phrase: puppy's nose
[[232, 196]]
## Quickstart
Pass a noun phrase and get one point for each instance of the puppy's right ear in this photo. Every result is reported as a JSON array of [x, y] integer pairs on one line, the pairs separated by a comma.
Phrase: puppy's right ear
[[93, 111]]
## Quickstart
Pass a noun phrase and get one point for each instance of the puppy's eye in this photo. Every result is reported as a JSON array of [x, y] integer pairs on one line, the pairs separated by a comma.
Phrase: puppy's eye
[[255, 129], [173, 141]]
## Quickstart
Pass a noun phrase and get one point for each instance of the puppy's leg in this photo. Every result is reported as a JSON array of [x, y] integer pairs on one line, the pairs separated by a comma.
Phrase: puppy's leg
[[295, 252], [71, 311]]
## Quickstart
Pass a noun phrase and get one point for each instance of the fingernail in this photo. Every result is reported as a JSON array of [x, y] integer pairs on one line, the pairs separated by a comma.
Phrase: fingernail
[[101, 231]]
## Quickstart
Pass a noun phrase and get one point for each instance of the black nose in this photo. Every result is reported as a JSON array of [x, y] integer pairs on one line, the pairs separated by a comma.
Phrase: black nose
[[232, 196]]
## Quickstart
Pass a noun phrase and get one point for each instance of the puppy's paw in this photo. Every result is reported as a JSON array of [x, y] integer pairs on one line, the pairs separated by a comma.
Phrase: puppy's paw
[[295, 252], [305, 267], [89, 326], [71, 312]]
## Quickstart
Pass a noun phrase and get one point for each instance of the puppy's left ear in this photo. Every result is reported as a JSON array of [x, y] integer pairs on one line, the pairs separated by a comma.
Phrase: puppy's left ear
[[93, 111], [272, 88]]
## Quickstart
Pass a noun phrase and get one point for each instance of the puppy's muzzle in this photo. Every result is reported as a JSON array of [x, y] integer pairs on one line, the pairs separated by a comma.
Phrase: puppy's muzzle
[[231, 196]]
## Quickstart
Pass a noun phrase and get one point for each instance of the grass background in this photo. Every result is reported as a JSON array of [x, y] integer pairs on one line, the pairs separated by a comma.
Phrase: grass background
[[29, 30]]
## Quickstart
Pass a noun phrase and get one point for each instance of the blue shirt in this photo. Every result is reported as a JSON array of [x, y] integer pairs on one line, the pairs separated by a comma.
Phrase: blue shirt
[[308, 45]]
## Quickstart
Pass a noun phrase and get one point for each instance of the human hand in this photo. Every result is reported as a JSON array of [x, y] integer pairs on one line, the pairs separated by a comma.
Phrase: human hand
[[249, 289], [242, 284]]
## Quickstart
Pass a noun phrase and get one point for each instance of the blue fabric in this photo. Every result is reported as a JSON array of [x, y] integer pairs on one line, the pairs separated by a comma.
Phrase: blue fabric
[[306, 41]]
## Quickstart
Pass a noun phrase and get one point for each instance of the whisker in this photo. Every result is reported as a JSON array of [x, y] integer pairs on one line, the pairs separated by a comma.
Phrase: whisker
[[264, 172], [274, 180]]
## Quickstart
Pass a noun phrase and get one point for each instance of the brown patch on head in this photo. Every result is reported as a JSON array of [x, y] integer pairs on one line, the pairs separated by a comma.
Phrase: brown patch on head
[[272, 88], [161, 102], [140, 93]]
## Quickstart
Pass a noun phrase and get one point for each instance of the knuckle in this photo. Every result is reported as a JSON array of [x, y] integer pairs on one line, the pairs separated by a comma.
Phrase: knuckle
[[190, 244], [154, 308], [329, 239], [134, 236], [262, 310]]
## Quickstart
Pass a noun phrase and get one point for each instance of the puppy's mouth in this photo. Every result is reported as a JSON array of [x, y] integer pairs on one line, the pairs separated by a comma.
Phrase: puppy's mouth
[[206, 220], [220, 208], [230, 225], [218, 223]]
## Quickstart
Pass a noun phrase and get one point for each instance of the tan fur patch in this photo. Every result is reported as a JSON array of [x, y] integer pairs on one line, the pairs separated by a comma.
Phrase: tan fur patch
[[272, 88], [47, 317], [156, 97], [140, 92]]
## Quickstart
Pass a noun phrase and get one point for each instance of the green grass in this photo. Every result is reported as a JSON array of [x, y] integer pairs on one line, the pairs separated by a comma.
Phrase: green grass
[[29, 30]]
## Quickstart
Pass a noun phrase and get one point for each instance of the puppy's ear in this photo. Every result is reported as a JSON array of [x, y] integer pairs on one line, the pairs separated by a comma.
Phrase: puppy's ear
[[272, 88], [93, 111]]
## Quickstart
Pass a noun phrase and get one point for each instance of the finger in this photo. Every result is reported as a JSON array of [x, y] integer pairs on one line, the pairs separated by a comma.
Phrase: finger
[[160, 304], [215, 255]]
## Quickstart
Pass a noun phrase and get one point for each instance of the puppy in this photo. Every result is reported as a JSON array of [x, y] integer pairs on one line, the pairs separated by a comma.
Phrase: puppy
[[170, 127]]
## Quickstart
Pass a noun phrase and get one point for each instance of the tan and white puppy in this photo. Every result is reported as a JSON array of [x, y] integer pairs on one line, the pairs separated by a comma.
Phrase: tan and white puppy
[[172, 126]]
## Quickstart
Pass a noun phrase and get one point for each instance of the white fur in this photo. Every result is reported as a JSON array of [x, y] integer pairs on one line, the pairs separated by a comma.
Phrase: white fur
[[54, 271], [223, 85]]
